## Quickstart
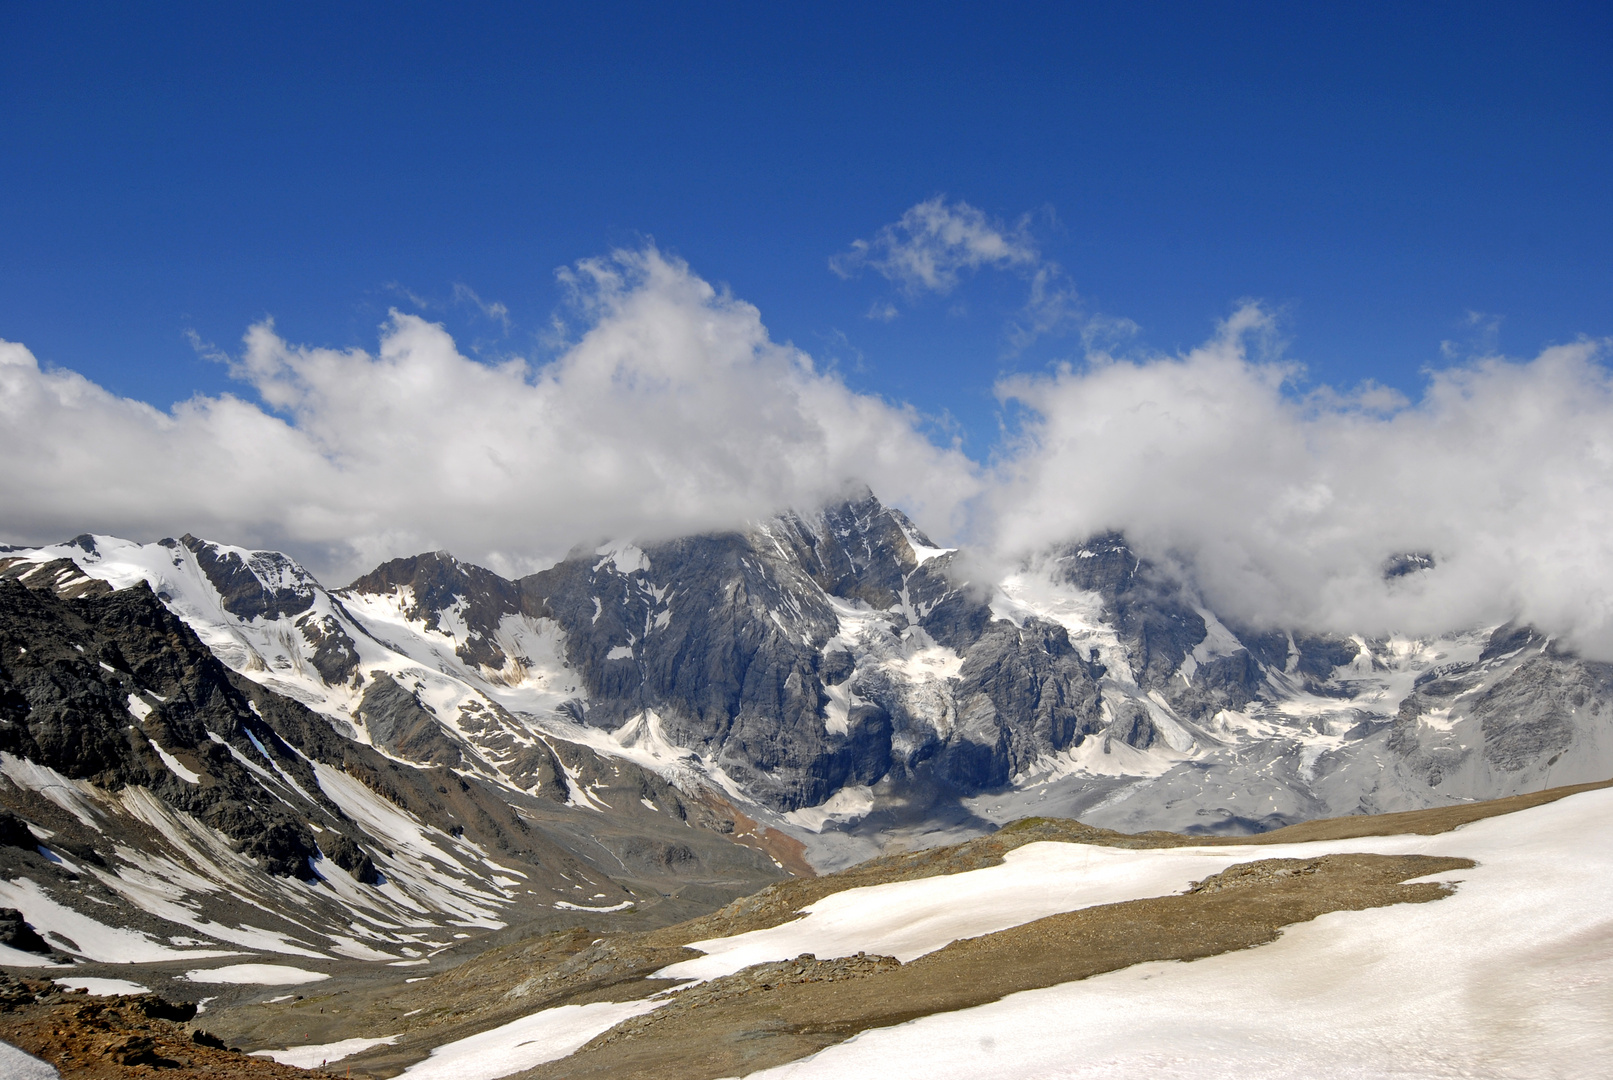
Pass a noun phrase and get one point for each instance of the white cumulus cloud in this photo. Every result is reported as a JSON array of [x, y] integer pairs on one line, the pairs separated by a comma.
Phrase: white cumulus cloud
[[1283, 506], [934, 242], [672, 412]]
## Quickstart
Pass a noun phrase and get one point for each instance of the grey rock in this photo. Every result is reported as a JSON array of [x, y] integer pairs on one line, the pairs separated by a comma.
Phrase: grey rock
[[1155, 619], [400, 722], [16, 933], [265, 584]]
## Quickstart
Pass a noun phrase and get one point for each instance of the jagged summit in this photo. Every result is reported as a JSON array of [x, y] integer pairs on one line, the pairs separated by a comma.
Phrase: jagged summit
[[826, 670]]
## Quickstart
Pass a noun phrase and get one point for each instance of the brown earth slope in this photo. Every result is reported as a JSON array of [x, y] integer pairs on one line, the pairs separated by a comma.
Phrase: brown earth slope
[[770, 1023], [119, 1037], [782, 1011]]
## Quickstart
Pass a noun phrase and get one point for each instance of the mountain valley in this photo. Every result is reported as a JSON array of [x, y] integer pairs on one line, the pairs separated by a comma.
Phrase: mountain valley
[[255, 791]]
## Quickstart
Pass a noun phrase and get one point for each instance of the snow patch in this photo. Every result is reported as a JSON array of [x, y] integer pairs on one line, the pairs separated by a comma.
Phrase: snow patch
[[846, 806], [908, 919], [176, 766], [94, 940], [521, 1044], [313, 1056], [103, 987], [77, 797], [16, 1065], [255, 975], [10, 957], [565, 905], [625, 558]]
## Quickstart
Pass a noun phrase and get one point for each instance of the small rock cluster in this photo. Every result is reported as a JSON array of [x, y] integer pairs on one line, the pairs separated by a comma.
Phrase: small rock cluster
[[1264, 872], [601, 962], [120, 1037], [758, 978]]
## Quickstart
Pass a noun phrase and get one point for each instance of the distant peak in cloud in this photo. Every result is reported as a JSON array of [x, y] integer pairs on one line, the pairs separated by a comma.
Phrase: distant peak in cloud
[[1284, 507], [672, 412], [668, 409]]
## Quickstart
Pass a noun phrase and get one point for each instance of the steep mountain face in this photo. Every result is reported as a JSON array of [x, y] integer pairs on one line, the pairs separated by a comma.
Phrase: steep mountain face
[[802, 657], [833, 674], [155, 805], [799, 658], [1284, 727]]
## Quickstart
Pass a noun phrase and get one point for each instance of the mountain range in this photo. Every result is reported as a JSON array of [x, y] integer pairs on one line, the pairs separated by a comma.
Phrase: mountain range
[[205, 748]]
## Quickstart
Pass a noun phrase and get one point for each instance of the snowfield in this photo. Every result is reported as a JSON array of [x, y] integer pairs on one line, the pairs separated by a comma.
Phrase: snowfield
[[907, 919], [521, 1044], [91, 939], [256, 975], [16, 1065], [103, 987], [315, 1055], [1510, 977]]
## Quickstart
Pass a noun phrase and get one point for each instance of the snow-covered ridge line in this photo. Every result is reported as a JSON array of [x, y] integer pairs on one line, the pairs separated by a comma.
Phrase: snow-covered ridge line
[[1086, 682]]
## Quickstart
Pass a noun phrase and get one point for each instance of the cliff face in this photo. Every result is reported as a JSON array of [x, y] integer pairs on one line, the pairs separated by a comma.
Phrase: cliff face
[[836, 675]]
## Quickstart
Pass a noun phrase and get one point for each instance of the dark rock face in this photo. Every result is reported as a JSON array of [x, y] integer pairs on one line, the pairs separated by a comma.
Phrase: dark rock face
[[953, 612], [720, 636], [438, 583], [1531, 707], [836, 667], [14, 832], [1530, 717], [1226, 682], [62, 576], [15, 932], [1022, 692], [342, 851], [536, 769], [1319, 654], [1157, 624], [1509, 639], [1134, 727], [857, 550], [398, 721], [70, 671], [335, 653], [265, 584], [1311, 658]]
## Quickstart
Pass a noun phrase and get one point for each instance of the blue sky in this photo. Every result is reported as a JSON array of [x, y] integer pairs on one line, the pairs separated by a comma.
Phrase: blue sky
[[1372, 173], [209, 215]]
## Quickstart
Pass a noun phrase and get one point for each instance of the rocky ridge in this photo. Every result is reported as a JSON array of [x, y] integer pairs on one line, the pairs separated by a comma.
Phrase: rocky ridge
[[837, 677], [158, 807]]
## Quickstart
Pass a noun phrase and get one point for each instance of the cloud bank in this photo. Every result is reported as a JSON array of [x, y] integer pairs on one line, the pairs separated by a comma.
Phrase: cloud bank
[[1284, 507], [673, 411]]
